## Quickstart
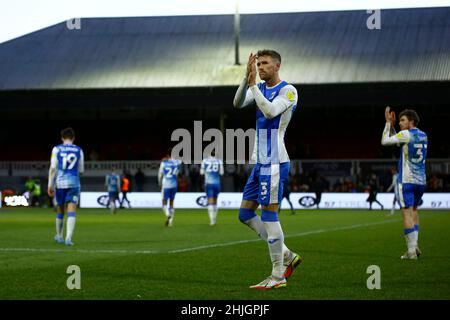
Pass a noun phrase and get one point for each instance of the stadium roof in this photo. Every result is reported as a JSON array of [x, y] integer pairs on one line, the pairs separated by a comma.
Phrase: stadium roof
[[198, 51]]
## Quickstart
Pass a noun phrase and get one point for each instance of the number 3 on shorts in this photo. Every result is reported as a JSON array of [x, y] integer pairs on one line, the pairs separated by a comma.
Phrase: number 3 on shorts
[[263, 188]]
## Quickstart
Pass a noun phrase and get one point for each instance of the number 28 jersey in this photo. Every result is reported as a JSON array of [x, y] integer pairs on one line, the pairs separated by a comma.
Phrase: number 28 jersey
[[212, 168], [68, 160]]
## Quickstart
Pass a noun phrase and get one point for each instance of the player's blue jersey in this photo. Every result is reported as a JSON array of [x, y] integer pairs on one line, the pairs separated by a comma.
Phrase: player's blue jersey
[[269, 142], [68, 160], [413, 154], [212, 168], [168, 172], [113, 182]]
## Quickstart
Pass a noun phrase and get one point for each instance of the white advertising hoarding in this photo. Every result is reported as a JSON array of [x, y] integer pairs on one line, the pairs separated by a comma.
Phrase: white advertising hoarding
[[232, 200]]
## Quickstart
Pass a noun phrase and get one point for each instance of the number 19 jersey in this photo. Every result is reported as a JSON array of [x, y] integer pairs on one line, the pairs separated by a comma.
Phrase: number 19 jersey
[[68, 160]]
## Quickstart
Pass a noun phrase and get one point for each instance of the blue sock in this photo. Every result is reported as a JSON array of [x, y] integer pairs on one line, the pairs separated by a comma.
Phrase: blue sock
[[416, 227], [408, 231], [269, 216], [246, 214]]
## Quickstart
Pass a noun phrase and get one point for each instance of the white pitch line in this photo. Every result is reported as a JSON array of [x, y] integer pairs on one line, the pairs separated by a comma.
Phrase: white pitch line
[[287, 236], [78, 250], [194, 248]]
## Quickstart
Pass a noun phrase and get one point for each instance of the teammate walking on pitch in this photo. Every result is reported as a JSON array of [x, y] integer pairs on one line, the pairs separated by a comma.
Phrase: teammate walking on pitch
[[167, 180], [112, 182], [66, 163], [212, 169], [275, 102], [394, 185], [411, 171]]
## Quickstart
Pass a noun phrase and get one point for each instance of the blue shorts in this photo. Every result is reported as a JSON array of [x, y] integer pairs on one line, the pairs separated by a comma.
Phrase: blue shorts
[[114, 195], [64, 196], [265, 183], [212, 190], [169, 193], [410, 194]]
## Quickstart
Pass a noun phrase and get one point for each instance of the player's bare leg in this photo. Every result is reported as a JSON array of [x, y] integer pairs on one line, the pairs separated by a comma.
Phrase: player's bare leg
[[164, 206], [415, 216]]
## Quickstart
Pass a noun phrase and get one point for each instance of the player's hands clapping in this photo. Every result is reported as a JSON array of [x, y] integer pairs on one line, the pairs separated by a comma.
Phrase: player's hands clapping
[[389, 116], [251, 70]]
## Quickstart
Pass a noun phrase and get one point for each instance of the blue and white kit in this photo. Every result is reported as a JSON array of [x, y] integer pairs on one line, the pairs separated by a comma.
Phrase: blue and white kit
[[212, 169], [274, 108], [411, 166], [112, 182], [167, 177], [68, 161]]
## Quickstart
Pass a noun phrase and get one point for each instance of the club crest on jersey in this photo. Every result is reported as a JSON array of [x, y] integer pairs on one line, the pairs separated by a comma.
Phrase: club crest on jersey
[[291, 95]]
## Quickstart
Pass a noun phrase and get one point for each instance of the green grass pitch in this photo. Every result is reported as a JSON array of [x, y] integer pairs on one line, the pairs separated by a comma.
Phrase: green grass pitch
[[132, 255]]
